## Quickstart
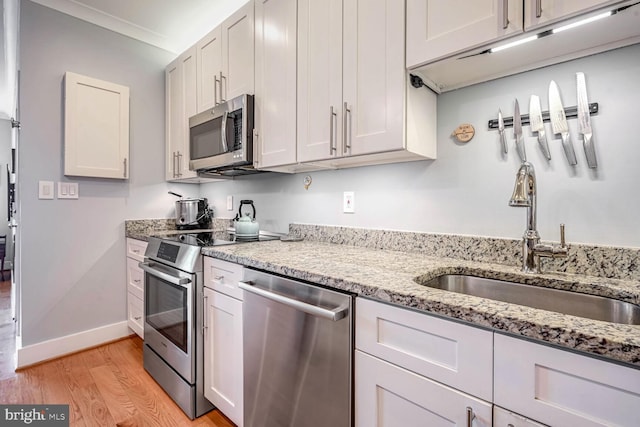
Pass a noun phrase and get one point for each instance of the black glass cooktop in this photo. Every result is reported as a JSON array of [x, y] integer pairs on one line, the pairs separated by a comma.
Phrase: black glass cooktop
[[205, 238]]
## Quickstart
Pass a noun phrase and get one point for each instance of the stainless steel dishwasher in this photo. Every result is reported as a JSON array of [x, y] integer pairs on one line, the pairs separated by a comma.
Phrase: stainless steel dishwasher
[[298, 353]]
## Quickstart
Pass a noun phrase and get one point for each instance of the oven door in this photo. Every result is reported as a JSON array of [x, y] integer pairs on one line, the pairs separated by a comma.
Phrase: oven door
[[169, 328]]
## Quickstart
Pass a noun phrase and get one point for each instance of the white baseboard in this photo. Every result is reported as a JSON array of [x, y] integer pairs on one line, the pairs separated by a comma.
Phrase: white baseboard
[[57, 347]]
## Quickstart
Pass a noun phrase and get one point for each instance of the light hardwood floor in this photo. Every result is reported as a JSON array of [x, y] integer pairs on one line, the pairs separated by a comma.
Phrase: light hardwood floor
[[104, 386]]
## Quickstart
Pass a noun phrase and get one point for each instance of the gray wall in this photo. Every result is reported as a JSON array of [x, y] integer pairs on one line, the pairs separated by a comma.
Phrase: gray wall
[[73, 264], [466, 190]]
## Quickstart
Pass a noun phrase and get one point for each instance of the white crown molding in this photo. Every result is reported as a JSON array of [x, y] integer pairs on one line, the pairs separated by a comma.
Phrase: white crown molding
[[110, 22]]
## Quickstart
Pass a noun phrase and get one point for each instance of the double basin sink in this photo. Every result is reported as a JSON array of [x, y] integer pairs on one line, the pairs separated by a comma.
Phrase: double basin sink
[[566, 302]]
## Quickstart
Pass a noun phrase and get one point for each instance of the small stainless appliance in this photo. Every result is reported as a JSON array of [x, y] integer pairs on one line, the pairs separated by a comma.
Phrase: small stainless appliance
[[298, 353], [221, 139], [192, 214]]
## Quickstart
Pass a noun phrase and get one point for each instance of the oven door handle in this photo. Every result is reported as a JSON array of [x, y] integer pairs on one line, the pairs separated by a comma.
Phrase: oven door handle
[[148, 267], [334, 315]]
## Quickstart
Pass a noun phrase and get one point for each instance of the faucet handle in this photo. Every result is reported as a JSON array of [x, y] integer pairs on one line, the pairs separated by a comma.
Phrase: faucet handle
[[562, 241]]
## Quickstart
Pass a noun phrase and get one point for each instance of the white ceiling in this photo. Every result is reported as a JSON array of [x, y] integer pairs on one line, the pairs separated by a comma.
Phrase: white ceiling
[[173, 25]]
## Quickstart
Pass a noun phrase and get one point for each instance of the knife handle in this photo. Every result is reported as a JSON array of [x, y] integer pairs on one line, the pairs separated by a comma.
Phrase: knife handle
[[503, 141], [544, 145], [568, 149], [590, 151]]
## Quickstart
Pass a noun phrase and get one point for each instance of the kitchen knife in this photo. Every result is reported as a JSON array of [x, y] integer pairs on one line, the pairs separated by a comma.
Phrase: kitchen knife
[[537, 125], [503, 140], [584, 121], [517, 132], [559, 122]]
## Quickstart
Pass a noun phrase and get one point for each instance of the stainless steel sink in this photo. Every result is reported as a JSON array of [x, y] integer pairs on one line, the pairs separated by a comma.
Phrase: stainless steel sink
[[566, 302]]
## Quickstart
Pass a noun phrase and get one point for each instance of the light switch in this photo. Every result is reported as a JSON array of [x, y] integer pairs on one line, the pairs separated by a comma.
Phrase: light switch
[[348, 202], [229, 203], [45, 190], [67, 190]]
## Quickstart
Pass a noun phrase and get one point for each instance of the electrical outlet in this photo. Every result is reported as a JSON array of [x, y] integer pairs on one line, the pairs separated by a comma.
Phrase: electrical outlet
[[349, 202], [229, 203]]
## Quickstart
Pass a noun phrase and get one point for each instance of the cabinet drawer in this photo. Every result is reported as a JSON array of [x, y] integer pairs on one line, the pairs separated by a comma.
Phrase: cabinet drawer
[[136, 248], [135, 314], [458, 355], [135, 278], [223, 276], [561, 388], [504, 418], [387, 396]]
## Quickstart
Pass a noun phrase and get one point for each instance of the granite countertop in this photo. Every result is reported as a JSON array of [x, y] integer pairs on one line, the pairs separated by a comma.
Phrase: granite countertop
[[389, 275]]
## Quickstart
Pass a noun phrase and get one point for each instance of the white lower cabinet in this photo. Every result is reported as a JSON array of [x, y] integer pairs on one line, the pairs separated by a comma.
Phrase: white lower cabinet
[[504, 418], [561, 388], [135, 286], [223, 373], [387, 396]]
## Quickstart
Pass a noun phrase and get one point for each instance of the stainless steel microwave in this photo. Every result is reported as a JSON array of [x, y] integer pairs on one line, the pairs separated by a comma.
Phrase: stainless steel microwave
[[222, 137]]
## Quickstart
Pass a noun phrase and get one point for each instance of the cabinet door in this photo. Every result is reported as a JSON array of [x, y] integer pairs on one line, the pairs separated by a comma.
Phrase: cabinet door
[[237, 53], [275, 97], [387, 395], [223, 276], [504, 418], [458, 355], [180, 93], [135, 278], [136, 249], [223, 354], [561, 388], [320, 107], [174, 122], [373, 75], [96, 128], [135, 314], [440, 28], [544, 12], [209, 63]]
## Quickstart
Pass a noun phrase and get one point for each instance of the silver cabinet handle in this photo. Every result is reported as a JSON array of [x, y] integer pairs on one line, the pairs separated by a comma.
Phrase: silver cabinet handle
[[335, 314], [204, 313], [215, 90], [179, 161], [538, 8], [173, 164], [223, 131], [505, 14], [470, 416], [137, 318], [332, 116], [148, 267], [346, 136], [218, 278], [225, 83], [125, 167]]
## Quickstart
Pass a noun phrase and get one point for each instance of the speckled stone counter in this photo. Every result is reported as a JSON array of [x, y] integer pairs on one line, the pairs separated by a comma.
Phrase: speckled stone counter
[[394, 276], [141, 229]]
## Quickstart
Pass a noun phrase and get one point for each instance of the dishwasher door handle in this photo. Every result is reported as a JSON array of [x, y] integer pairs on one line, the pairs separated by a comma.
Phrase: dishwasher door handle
[[335, 314]]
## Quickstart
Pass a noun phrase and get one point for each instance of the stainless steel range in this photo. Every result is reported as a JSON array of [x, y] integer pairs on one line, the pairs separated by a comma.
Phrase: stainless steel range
[[173, 313]]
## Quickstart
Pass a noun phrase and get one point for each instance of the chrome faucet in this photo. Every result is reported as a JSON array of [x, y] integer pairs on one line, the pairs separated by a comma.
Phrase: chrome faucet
[[524, 195]]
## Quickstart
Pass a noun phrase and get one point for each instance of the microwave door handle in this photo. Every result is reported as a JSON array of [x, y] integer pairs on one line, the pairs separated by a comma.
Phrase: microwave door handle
[[223, 131]]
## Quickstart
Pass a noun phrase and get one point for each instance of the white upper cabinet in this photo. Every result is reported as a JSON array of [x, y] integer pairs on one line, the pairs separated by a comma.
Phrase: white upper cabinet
[[373, 76], [275, 82], [543, 12], [450, 42], [209, 60], [440, 28], [320, 105], [225, 60], [180, 104], [96, 128]]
